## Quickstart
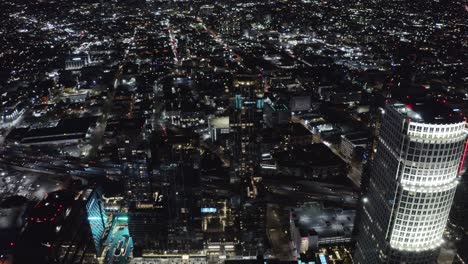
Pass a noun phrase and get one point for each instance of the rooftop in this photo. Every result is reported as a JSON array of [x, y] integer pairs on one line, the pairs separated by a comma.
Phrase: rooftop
[[313, 218], [220, 122], [428, 112]]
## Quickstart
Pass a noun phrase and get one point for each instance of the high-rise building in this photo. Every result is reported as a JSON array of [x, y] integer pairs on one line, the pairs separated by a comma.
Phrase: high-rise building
[[276, 114], [65, 227], [300, 103], [459, 212], [412, 185], [252, 223], [169, 220], [244, 122], [97, 218], [147, 226]]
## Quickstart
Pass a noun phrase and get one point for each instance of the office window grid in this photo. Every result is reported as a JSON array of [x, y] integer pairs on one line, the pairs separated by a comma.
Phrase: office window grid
[[432, 131], [429, 177], [421, 218], [430, 152], [430, 168], [396, 257], [429, 164], [411, 189]]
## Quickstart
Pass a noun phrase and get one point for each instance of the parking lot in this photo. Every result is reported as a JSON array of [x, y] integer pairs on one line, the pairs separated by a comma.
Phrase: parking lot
[[33, 186]]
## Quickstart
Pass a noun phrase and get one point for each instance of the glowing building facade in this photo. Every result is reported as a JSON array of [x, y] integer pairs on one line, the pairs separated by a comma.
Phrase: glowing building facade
[[66, 227], [412, 186]]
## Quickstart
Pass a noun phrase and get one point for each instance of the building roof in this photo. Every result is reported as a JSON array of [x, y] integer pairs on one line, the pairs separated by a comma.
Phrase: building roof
[[358, 138], [314, 219], [432, 112], [220, 122]]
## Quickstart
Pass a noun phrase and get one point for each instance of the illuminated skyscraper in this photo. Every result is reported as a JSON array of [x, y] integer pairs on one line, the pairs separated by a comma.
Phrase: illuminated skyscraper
[[97, 218], [244, 122], [66, 227], [412, 185]]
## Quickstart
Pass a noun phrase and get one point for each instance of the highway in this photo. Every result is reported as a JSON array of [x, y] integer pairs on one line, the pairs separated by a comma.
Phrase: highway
[[25, 160], [298, 190]]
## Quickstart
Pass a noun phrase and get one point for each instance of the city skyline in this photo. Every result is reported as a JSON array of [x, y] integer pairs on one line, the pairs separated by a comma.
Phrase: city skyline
[[233, 131]]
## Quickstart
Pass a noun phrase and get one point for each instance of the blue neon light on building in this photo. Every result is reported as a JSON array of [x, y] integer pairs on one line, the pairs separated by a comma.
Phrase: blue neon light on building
[[208, 210]]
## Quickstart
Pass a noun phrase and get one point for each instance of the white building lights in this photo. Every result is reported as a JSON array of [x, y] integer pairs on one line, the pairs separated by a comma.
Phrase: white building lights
[[428, 179], [412, 186]]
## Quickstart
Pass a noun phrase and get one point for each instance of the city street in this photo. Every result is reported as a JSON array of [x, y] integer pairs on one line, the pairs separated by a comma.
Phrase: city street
[[278, 233]]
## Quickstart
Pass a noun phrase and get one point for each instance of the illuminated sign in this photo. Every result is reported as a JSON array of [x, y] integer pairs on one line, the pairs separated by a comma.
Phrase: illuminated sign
[[322, 259], [157, 197], [238, 101], [207, 210], [122, 218]]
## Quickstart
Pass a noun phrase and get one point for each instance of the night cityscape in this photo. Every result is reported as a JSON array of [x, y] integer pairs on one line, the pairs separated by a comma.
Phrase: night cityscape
[[233, 131]]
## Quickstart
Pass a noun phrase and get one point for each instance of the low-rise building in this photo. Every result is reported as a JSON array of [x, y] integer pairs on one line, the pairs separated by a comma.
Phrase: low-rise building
[[351, 143], [313, 225]]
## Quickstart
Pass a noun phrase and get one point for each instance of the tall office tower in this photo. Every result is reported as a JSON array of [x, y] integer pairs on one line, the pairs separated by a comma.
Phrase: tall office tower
[[459, 212], [66, 227], [244, 121], [168, 220], [412, 185], [132, 155], [147, 225], [184, 226], [252, 223], [97, 217]]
